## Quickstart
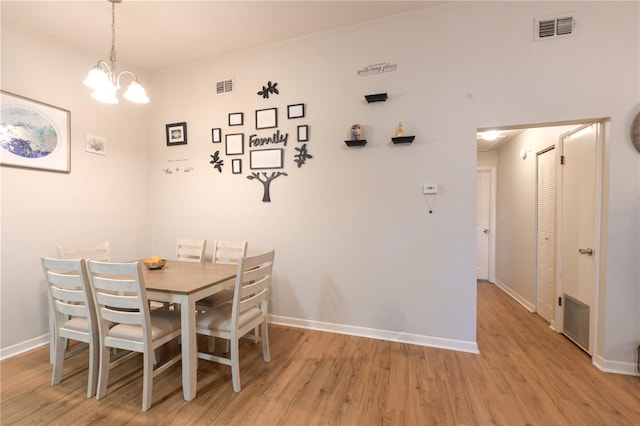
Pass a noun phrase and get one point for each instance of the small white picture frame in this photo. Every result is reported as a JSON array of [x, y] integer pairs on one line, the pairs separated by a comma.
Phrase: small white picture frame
[[216, 135], [236, 119], [266, 158], [96, 144], [266, 118], [236, 166], [234, 144], [295, 111], [303, 133]]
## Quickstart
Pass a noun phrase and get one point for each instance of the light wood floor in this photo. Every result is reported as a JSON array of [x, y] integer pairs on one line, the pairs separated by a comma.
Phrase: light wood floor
[[525, 375]]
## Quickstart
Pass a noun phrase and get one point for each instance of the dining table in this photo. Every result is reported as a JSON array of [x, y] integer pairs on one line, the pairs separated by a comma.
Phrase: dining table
[[184, 283]]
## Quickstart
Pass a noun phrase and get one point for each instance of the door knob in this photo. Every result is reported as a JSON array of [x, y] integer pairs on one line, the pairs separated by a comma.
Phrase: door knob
[[587, 251], [486, 231]]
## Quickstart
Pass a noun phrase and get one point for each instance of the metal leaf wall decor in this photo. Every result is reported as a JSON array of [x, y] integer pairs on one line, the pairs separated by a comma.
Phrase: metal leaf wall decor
[[269, 89], [216, 161], [302, 155]]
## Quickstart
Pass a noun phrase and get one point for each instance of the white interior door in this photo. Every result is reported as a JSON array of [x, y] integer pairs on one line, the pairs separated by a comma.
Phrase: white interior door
[[483, 215], [578, 268], [546, 271]]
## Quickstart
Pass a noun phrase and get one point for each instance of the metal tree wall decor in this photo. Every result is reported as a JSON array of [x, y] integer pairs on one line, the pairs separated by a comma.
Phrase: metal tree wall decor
[[267, 152], [268, 89], [266, 182]]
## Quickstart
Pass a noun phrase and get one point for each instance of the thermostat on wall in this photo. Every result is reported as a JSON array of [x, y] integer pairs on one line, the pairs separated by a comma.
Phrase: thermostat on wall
[[430, 188]]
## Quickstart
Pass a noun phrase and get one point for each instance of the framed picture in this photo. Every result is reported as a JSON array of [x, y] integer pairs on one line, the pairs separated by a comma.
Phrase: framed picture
[[234, 144], [177, 134], [216, 135], [266, 118], [303, 133], [266, 158], [95, 144], [236, 119], [236, 166], [295, 111], [34, 135]]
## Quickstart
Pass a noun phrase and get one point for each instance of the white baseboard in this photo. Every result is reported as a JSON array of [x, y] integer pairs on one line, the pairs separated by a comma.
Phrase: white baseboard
[[24, 346], [528, 305], [617, 367], [393, 336]]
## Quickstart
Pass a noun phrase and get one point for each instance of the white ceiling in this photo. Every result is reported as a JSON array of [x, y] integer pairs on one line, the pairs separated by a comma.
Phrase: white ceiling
[[505, 135], [152, 35]]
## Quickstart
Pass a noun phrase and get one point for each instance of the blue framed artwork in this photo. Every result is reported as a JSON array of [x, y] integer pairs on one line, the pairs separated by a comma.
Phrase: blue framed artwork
[[34, 135]]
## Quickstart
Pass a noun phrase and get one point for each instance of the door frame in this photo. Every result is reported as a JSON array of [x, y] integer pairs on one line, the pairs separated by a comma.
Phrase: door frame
[[492, 219], [600, 127]]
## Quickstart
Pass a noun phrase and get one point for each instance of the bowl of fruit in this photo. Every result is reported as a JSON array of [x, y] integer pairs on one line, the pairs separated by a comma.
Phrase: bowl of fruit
[[155, 262]]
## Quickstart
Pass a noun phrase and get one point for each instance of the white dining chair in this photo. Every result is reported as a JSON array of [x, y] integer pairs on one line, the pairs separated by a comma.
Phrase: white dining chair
[[224, 252], [73, 314], [94, 251], [248, 309], [229, 253], [188, 250], [126, 322]]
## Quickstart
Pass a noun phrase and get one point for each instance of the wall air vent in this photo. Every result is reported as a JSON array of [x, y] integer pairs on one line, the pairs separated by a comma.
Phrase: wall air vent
[[553, 27], [576, 321], [225, 86]]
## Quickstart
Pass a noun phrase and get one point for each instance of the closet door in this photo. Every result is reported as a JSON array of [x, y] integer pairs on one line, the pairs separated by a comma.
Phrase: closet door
[[546, 286]]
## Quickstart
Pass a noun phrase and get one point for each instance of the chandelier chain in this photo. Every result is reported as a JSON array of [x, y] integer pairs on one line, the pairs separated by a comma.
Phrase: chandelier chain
[[104, 78], [113, 37]]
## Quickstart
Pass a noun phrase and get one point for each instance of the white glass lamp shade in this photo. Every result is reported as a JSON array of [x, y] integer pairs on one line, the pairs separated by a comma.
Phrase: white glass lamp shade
[[105, 94], [136, 93], [96, 78]]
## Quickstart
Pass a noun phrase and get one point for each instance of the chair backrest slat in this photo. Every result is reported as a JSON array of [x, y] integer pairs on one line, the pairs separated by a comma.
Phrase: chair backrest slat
[[120, 301], [122, 317], [74, 310], [75, 295], [68, 280]]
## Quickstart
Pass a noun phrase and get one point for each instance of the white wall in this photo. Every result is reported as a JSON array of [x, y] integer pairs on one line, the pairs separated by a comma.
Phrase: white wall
[[103, 198], [355, 244], [488, 158]]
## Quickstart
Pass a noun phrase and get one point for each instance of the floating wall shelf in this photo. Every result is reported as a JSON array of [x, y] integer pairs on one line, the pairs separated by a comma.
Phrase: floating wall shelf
[[356, 142], [378, 97], [403, 139]]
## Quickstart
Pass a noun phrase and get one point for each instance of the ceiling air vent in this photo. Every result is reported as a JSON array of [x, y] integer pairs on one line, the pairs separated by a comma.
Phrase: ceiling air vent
[[553, 27], [225, 86]]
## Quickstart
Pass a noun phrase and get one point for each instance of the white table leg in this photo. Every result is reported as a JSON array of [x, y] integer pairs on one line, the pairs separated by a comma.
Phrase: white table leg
[[189, 349]]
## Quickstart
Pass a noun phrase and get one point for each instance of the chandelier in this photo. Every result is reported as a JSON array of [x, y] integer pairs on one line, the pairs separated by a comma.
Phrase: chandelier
[[104, 78]]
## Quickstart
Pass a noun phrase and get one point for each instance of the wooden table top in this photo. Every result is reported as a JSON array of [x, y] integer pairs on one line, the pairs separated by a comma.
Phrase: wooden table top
[[187, 277]]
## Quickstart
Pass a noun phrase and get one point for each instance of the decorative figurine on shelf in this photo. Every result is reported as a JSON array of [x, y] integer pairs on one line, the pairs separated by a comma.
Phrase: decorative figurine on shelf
[[356, 132], [399, 130]]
